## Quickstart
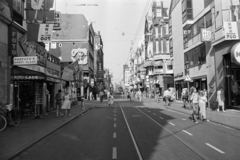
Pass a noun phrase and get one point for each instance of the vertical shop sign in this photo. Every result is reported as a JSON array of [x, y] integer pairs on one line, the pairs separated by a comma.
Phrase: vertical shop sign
[[14, 42], [45, 33], [231, 30]]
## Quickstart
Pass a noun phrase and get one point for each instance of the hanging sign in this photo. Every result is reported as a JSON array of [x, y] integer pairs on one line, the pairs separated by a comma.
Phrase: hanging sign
[[45, 33], [206, 35], [231, 30], [235, 53]]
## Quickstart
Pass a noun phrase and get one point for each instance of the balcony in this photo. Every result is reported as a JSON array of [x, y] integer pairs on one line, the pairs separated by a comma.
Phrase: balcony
[[157, 21]]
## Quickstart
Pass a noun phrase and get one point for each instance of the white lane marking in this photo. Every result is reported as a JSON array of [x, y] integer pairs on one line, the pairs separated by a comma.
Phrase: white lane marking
[[187, 132], [183, 119], [154, 114], [115, 119], [114, 115], [201, 155], [215, 148], [114, 153], [133, 139], [149, 111], [115, 125], [171, 123], [160, 117], [114, 135]]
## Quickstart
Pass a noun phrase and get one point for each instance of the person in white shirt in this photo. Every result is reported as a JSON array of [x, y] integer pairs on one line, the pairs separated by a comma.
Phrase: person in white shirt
[[167, 96]]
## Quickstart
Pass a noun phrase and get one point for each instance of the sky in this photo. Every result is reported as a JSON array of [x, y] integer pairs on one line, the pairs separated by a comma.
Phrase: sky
[[119, 22]]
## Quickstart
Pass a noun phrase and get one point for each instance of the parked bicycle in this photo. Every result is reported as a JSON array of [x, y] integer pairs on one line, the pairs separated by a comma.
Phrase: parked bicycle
[[9, 115]]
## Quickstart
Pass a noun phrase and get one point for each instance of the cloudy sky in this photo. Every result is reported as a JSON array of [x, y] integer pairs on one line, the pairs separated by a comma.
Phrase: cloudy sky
[[118, 22]]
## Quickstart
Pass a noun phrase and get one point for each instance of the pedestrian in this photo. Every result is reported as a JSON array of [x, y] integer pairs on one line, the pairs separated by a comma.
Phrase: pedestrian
[[166, 96], [67, 103], [157, 95], [59, 98], [220, 99], [202, 106], [101, 94], [82, 102], [129, 96], [139, 95], [185, 98], [194, 98], [110, 100]]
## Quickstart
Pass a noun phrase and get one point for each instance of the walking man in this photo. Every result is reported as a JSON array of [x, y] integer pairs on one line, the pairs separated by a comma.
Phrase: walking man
[[195, 99], [59, 98]]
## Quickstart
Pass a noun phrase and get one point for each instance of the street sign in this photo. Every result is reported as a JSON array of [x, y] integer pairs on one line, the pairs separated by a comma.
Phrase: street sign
[[187, 78]]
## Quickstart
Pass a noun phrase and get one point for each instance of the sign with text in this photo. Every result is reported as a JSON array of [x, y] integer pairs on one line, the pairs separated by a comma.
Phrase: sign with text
[[45, 33], [57, 24], [25, 60], [231, 30], [28, 77], [14, 42]]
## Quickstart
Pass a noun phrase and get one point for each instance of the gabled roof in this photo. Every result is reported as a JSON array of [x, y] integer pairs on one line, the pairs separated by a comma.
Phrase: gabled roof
[[73, 27]]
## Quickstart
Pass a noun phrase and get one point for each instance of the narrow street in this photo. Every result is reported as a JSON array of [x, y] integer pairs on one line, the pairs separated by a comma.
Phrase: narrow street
[[132, 131]]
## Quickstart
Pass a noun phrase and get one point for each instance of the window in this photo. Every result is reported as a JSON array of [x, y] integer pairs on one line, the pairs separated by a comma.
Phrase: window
[[157, 47], [200, 24], [18, 6], [208, 19], [159, 12], [235, 13], [167, 46], [169, 67], [187, 13], [156, 32], [162, 46]]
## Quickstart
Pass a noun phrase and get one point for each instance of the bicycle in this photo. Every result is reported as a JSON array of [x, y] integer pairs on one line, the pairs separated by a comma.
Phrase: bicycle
[[9, 115]]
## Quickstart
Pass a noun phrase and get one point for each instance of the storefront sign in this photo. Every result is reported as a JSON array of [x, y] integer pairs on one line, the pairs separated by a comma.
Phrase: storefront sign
[[33, 49], [25, 60], [206, 35], [57, 24], [231, 30], [28, 77], [235, 53], [14, 42], [45, 33]]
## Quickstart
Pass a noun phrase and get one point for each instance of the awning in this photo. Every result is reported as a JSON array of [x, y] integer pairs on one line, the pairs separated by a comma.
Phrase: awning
[[169, 62], [148, 64], [67, 74], [158, 63]]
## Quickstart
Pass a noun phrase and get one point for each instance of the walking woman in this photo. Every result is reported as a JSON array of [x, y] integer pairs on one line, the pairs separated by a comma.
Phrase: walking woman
[[220, 99], [66, 104], [202, 105], [195, 99]]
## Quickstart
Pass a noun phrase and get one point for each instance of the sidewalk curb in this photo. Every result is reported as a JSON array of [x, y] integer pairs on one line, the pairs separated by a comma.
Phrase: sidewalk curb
[[47, 134], [210, 120]]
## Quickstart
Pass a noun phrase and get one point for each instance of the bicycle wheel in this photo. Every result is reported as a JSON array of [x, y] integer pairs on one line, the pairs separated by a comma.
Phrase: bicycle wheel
[[15, 117], [3, 123]]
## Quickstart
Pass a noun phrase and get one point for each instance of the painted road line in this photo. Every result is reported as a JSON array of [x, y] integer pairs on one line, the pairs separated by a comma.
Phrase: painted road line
[[114, 153], [154, 114], [171, 123], [187, 132], [131, 134], [115, 125], [115, 119], [161, 118], [149, 111], [183, 119], [114, 115], [215, 148], [114, 135]]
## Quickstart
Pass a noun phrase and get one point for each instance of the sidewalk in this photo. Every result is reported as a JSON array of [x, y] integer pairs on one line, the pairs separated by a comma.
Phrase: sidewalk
[[14, 139], [230, 118]]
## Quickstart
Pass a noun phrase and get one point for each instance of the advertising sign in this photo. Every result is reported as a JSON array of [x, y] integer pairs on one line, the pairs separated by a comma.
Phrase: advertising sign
[[25, 60], [28, 77], [57, 24], [14, 42], [206, 35], [235, 53], [45, 33], [231, 30]]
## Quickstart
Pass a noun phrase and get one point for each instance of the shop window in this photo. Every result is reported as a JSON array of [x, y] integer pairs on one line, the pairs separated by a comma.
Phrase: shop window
[[208, 19]]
